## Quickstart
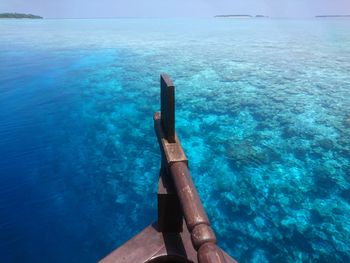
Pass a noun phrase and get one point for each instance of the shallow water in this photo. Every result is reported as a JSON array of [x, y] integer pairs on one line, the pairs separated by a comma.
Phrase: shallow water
[[263, 112]]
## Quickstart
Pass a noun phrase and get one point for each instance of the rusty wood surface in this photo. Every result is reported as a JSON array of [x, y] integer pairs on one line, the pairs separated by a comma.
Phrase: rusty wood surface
[[172, 152], [202, 235], [191, 204], [170, 216], [153, 246]]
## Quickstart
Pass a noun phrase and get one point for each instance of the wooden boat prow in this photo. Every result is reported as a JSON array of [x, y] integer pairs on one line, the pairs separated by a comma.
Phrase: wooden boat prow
[[182, 233]]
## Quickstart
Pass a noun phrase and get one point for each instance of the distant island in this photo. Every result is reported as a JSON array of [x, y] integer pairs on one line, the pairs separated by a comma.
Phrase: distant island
[[234, 16], [17, 15], [240, 16], [332, 16]]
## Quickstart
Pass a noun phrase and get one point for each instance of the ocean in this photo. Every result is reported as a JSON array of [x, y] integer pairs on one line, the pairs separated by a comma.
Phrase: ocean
[[262, 111]]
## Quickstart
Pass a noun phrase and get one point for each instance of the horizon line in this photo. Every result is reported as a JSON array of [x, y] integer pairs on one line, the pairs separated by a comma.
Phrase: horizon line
[[213, 16], [186, 16]]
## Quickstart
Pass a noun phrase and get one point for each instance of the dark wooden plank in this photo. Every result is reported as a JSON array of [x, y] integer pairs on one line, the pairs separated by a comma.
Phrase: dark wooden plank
[[167, 107], [170, 216], [150, 245]]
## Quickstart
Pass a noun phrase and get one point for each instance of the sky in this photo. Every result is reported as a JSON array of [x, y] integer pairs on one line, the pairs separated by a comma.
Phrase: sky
[[173, 8]]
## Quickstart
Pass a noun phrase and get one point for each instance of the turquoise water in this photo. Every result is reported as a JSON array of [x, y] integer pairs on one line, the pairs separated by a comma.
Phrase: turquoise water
[[263, 112]]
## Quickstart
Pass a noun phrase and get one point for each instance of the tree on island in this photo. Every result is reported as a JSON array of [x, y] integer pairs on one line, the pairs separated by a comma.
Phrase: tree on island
[[234, 16], [333, 16], [18, 15]]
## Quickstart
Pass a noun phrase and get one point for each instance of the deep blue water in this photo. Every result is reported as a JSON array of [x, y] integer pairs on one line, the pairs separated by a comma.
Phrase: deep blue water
[[263, 112]]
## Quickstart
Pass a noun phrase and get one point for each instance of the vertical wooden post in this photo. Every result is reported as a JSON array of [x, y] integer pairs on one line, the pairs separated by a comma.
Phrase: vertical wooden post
[[175, 172], [170, 217], [183, 232], [167, 107]]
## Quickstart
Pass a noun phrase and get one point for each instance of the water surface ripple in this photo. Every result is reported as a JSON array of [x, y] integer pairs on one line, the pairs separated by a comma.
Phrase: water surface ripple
[[263, 112]]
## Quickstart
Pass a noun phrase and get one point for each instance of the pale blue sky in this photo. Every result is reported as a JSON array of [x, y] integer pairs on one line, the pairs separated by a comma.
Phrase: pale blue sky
[[174, 8]]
